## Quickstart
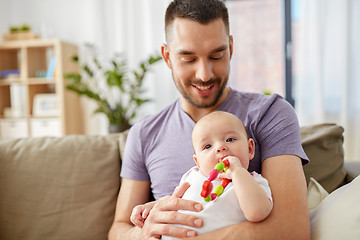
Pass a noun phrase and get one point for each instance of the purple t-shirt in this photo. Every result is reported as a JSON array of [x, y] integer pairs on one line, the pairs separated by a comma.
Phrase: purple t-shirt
[[158, 148]]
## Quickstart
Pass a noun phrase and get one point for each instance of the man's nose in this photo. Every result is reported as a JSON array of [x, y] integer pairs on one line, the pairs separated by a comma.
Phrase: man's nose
[[204, 71]]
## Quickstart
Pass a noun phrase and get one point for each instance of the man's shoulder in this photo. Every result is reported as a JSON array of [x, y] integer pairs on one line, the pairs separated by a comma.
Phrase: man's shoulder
[[250, 105], [254, 98]]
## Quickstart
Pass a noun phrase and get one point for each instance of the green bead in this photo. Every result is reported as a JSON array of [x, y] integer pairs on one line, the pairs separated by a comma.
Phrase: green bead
[[207, 199], [220, 166], [219, 190]]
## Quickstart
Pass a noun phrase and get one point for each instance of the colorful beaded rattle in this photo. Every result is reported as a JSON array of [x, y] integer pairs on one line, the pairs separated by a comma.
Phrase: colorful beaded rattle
[[208, 186]]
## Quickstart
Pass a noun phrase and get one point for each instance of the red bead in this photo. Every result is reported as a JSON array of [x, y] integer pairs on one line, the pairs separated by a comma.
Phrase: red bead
[[226, 162], [225, 182], [213, 196], [206, 188], [213, 174]]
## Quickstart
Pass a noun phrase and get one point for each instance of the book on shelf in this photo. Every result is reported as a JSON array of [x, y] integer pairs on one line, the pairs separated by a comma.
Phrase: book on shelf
[[51, 68], [10, 73]]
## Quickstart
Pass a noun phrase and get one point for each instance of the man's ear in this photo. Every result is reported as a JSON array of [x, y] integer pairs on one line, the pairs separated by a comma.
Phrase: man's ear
[[251, 148], [196, 160], [231, 42], [165, 53]]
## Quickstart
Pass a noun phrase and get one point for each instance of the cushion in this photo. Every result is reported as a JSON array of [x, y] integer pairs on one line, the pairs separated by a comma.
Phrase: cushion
[[58, 188], [122, 142], [316, 193], [338, 215], [323, 144]]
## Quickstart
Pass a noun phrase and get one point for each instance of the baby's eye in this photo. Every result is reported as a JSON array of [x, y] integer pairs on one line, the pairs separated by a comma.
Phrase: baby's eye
[[207, 146], [230, 139]]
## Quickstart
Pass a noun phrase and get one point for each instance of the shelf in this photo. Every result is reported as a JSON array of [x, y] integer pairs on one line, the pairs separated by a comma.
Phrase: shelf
[[29, 81], [30, 43], [9, 81], [32, 58], [38, 81]]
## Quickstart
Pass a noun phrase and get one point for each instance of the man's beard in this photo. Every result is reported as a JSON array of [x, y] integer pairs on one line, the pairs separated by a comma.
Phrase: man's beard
[[193, 102]]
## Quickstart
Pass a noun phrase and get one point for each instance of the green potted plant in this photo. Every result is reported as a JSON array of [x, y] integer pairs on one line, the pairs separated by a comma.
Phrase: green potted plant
[[117, 91], [19, 32], [24, 27]]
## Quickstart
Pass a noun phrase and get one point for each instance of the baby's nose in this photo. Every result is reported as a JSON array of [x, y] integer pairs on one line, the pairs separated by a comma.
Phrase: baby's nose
[[220, 148]]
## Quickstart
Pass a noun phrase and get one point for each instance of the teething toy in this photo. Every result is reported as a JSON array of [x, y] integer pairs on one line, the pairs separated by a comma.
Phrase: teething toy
[[208, 186]]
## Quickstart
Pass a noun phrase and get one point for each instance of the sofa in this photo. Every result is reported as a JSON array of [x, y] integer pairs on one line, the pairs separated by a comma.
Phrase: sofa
[[66, 187]]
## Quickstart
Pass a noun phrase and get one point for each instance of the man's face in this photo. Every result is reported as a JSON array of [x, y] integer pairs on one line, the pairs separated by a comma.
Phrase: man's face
[[199, 57]]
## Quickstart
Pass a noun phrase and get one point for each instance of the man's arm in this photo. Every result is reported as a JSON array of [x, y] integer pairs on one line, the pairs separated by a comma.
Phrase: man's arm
[[289, 218], [132, 193]]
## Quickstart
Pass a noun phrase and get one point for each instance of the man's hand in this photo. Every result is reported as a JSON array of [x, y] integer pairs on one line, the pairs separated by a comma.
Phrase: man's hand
[[165, 212]]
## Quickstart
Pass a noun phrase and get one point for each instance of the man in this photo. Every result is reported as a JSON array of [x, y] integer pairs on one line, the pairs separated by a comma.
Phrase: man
[[198, 50]]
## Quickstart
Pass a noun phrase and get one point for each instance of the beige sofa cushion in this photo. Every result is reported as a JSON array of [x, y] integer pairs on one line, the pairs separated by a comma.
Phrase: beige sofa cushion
[[338, 215], [58, 188], [316, 193], [323, 144]]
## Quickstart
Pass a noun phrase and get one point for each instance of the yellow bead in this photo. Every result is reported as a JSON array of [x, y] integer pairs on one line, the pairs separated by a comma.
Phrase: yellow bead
[[219, 190], [220, 166], [207, 199]]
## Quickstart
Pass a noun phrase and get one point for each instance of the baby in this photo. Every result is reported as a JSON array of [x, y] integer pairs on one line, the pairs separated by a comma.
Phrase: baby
[[221, 136]]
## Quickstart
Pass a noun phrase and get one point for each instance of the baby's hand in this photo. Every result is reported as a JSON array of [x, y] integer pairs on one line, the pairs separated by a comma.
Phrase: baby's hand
[[140, 213], [234, 163]]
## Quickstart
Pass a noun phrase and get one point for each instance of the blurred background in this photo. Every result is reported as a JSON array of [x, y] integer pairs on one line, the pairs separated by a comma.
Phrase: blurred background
[[304, 50]]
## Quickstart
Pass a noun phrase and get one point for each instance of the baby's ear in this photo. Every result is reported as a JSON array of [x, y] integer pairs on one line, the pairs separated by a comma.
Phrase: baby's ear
[[196, 160], [251, 148]]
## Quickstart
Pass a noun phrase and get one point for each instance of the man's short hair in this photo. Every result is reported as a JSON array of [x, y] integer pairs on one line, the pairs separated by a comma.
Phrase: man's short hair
[[201, 11]]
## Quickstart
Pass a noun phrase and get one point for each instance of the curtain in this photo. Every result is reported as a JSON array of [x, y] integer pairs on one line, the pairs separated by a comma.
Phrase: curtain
[[136, 28], [327, 84]]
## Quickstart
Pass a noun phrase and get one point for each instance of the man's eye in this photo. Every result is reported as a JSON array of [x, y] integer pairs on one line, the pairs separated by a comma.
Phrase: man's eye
[[207, 146], [216, 56], [187, 60], [230, 139]]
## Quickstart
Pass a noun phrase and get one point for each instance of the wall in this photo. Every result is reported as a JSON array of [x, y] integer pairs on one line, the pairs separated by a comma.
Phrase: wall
[[5, 15]]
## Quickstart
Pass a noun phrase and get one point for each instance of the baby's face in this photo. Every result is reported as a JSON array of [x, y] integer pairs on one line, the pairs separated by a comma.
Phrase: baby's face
[[217, 138]]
